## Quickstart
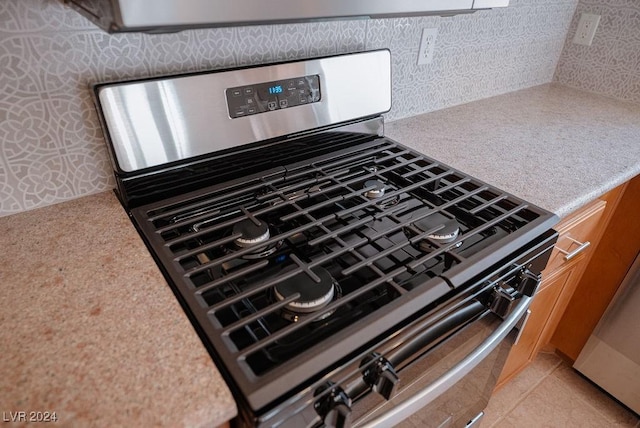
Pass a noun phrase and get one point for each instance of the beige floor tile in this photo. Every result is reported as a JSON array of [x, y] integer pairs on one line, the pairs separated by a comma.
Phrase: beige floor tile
[[509, 396], [543, 365], [553, 404], [615, 413]]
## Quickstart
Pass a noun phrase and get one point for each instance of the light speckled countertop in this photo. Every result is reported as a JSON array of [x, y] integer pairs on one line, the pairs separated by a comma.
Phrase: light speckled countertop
[[90, 329], [553, 146]]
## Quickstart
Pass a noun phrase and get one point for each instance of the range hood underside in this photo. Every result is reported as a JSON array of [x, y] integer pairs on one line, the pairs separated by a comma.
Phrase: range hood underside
[[160, 16]]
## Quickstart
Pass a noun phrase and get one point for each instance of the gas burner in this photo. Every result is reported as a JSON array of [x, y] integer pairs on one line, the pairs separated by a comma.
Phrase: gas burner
[[447, 234], [377, 191], [251, 233], [313, 295]]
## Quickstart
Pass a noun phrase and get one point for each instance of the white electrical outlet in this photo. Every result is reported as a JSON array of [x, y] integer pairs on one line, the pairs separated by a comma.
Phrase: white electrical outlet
[[427, 46], [587, 27]]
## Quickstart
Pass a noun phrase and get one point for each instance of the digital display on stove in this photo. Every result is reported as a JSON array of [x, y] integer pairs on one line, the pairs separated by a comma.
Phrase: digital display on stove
[[275, 95]]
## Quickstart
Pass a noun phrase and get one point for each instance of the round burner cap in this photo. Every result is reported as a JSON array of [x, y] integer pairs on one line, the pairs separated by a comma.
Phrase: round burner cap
[[448, 233], [313, 295], [377, 191], [252, 233]]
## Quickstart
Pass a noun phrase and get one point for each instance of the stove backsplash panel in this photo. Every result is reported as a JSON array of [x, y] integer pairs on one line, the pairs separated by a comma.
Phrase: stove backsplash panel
[[51, 144]]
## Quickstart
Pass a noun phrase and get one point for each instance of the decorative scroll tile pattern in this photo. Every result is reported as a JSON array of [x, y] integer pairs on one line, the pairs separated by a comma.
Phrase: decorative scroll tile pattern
[[611, 65], [51, 145]]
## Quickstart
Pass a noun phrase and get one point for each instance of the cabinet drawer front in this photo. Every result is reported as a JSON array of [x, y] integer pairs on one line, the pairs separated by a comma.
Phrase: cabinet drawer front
[[576, 234]]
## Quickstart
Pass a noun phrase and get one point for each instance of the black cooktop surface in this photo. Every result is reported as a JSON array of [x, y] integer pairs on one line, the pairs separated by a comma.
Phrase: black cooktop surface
[[289, 270]]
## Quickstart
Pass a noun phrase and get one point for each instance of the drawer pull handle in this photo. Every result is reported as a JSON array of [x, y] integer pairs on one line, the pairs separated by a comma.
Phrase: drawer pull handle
[[581, 247]]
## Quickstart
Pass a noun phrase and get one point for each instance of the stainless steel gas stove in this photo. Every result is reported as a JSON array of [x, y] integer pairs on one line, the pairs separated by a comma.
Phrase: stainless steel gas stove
[[336, 276]]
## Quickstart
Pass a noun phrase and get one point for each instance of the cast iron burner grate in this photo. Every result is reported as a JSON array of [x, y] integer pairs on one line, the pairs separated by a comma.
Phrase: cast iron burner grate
[[321, 216]]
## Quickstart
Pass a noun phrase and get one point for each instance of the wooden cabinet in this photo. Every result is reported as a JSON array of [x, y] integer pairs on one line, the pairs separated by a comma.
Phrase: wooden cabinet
[[578, 236], [612, 259]]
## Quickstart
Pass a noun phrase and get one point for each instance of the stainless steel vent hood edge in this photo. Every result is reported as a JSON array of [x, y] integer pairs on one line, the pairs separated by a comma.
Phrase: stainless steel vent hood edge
[[161, 16]]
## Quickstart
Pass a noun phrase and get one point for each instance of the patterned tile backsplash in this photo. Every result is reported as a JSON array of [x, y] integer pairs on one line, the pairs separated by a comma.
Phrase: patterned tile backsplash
[[611, 65], [51, 144]]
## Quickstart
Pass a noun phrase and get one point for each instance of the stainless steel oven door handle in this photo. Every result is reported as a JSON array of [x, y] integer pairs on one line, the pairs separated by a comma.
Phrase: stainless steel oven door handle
[[457, 372]]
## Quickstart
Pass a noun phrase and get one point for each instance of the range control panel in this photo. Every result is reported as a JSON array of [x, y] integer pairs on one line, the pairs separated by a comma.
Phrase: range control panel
[[268, 96]]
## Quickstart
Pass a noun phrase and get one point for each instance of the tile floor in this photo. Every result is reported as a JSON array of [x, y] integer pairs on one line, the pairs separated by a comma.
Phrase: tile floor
[[549, 393]]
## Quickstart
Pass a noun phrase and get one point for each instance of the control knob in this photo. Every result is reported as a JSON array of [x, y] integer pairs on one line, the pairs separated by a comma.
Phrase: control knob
[[333, 407], [528, 282], [503, 299], [380, 375]]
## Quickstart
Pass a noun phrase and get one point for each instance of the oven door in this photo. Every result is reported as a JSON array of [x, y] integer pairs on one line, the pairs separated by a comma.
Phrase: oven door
[[451, 383]]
